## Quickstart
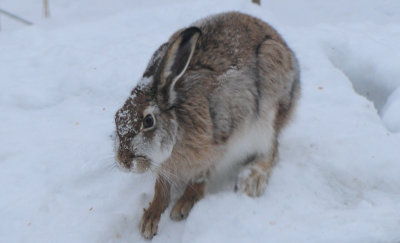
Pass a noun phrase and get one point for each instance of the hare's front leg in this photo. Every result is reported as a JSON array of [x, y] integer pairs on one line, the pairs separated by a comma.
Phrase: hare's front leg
[[194, 192], [151, 215], [254, 176]]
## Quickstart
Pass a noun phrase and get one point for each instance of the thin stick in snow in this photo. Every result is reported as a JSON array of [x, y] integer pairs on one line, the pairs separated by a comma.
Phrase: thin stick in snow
[[13, 16], [46, 10]]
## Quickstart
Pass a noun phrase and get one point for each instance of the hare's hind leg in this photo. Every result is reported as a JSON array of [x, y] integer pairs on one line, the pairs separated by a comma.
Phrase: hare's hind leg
[[194, 192], [278, 82], [254, 176]]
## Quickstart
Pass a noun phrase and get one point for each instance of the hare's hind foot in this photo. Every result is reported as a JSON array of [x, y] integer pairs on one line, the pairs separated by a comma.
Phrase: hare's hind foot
[[254, 176], [194, 192]]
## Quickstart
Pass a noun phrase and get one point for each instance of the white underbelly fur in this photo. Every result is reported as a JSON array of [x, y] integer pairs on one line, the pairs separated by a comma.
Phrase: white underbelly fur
[[255, 137]]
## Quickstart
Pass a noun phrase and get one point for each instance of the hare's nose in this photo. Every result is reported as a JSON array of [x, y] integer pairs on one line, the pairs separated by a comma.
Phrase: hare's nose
[[125, 155]]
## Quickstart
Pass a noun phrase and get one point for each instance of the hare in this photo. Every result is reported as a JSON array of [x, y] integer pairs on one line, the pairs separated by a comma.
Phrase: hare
[[218, 92]]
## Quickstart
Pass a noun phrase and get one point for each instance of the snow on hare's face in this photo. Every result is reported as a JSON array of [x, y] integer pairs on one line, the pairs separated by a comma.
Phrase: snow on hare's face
[[145, 134], [146, 123]]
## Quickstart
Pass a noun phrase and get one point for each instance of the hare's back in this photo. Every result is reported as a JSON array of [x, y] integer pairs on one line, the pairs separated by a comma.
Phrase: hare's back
[[230, 40]]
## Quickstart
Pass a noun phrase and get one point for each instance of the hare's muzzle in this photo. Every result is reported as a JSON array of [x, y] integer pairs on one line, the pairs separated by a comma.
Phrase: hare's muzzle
[[129, 162]]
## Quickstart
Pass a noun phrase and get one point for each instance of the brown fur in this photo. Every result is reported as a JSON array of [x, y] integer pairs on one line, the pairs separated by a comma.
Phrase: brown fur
[[193, 193], [213, 86], [151, 216]]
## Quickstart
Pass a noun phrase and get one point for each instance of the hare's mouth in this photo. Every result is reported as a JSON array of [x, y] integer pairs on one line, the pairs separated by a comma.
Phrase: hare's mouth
[[136, 164], [140, 164]]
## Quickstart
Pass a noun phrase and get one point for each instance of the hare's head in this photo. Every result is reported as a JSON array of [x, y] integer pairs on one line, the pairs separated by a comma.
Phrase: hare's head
[[146, 124]]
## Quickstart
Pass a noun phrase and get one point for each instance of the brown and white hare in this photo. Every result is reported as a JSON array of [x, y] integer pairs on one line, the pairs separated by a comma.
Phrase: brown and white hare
[[217, 92]]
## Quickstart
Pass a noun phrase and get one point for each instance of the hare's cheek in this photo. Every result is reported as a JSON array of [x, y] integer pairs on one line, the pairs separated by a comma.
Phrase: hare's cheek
[[158, 156], [163, 143], [139, 145], [161, 148]]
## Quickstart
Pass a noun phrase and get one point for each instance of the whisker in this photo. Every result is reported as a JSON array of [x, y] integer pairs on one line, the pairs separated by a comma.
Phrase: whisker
[[168, 176]]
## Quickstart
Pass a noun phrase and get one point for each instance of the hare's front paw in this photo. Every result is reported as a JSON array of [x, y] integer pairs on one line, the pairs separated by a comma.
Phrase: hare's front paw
[[193, 193], [181, 209], [252, 180], [149, 223]]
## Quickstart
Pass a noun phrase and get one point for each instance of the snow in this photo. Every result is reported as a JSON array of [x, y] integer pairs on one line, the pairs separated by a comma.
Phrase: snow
[[390, 112], [63, 79]]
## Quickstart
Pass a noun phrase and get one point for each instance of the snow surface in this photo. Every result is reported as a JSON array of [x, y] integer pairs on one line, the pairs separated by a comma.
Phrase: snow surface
[[62, 80]]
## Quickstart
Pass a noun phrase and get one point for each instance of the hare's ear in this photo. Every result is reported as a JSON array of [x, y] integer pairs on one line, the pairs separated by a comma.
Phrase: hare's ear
[[177, 59]]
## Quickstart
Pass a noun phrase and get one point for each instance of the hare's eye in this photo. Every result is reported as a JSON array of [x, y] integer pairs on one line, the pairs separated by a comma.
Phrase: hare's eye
[[148, 121]]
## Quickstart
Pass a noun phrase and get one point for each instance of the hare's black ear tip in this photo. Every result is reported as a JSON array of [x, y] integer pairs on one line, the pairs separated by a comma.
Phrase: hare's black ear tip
[[192, 31], [190, 34]]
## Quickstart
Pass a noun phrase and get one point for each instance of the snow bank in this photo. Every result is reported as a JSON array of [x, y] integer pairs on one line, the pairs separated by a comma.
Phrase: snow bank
[[391, 111], [63, 79]]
